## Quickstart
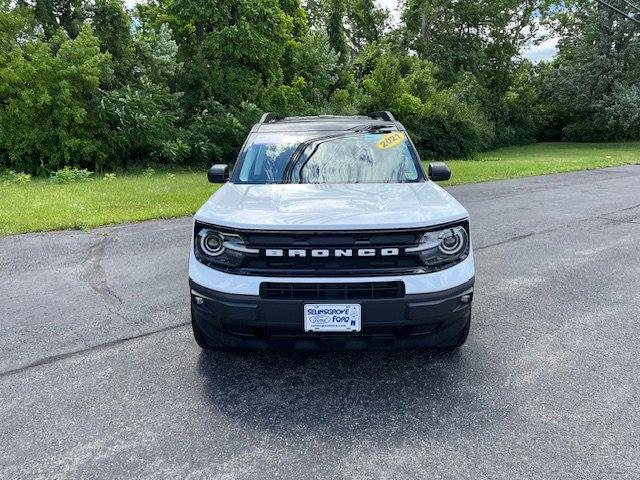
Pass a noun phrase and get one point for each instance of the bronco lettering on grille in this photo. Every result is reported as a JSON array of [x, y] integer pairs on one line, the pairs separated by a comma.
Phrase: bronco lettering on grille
[[333, 252]]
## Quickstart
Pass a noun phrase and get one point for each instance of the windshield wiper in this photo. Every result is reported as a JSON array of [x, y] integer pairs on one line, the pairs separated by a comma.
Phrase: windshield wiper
[[299, 151]]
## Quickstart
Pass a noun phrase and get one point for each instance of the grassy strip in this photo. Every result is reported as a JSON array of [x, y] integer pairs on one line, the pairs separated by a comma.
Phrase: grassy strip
[[42, 206], [542, 159]]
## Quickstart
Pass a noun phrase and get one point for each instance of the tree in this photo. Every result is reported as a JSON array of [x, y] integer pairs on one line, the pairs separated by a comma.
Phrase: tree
[[14, 23], [112, 25], [159, 53], [48, 114], [595, 80], [318, 65], [235, 48], [142, 117], [335, 29], [366, 22], [361, 21], [469, 36], [54, 14], [299, 29]]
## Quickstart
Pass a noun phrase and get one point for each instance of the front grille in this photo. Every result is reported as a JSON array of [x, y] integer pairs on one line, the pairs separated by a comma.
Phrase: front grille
[[331, 291], [333, 266]]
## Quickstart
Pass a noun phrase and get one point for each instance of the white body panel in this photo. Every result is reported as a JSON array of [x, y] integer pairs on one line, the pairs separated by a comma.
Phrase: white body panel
[[312, 207], [331, 206]]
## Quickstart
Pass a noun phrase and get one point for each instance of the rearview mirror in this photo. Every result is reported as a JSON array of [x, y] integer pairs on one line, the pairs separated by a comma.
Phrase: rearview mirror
[[218, 173], [439, 172]]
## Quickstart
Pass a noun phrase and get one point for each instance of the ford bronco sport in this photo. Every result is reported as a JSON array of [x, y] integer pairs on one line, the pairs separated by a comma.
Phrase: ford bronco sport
[[329, 235]]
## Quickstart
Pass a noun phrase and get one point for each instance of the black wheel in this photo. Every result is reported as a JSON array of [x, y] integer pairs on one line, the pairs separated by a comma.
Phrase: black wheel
[[461, 338], [198, 334]]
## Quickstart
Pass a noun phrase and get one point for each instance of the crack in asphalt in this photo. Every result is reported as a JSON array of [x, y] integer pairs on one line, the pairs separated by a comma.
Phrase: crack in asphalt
[[101, 346], [517, 238], [95, 275], [600, 216], [616, 220]]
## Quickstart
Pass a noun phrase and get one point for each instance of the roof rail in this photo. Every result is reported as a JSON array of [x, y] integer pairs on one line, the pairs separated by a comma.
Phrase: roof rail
[[382, 115], [271, 117]]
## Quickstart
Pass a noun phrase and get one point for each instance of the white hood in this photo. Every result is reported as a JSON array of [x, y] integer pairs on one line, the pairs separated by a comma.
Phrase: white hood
[[330, 206]]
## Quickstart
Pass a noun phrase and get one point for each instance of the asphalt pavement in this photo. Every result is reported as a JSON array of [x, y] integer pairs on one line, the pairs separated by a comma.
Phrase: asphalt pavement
[[100, 376]]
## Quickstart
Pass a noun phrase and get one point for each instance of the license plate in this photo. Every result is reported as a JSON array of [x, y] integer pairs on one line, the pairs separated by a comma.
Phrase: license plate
[[332, 318]]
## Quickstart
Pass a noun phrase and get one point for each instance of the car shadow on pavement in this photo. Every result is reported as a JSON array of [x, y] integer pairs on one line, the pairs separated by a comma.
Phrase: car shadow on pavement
[[385, 391]]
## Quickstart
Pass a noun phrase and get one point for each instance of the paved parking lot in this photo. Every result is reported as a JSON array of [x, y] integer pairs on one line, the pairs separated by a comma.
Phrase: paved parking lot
[[100, 377]]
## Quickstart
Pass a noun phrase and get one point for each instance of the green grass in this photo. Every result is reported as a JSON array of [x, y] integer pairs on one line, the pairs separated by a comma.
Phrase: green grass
[[541, 159], [42, 205]]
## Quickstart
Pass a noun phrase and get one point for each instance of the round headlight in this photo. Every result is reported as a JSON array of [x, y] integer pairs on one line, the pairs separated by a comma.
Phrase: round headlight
[[452, 240], [442, 248], [211, 243]]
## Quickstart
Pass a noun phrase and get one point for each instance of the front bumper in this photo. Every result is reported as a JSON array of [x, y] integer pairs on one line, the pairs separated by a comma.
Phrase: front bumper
[[417, 320]]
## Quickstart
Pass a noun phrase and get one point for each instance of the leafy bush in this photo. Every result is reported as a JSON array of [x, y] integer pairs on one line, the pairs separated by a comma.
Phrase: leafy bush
[[317, 65], [141, 119], [148, 172], [214, 136], [109, 177], [47, 112], [286, 99], [93, 86], [445, 127], [10, 177], [595, 87], [71, 175], [342, 103]]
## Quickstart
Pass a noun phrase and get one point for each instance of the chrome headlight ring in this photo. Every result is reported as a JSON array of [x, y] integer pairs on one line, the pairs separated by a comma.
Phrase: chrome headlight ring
[[452, 240], [220, 249], [441, 248], [210, 242]]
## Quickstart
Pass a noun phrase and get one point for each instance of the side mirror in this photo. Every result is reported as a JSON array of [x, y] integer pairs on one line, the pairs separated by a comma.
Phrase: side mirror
[[218, 173], [439, 172]]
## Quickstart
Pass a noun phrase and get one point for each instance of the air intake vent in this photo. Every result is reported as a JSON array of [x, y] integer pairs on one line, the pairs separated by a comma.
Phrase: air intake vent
[[331, 291]]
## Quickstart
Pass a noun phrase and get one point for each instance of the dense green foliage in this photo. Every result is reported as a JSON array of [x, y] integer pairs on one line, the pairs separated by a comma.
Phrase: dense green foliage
[[88, 84], [594, 85]]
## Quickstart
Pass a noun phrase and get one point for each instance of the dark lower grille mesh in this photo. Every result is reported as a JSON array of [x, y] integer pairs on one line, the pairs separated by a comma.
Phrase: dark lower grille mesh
[[331, 291]]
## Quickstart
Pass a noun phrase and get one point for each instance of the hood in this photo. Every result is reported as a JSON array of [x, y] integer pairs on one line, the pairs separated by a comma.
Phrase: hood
[[330, 206]]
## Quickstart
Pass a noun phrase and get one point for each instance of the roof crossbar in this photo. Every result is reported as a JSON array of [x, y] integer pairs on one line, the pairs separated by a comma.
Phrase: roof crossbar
[[382, 115], [270, 117]]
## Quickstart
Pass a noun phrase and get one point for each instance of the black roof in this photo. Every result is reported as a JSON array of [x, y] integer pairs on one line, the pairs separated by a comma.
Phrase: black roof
[[277, 123]]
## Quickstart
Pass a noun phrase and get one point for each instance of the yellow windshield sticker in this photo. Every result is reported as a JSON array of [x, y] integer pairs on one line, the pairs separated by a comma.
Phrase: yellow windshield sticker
[[391, 140]]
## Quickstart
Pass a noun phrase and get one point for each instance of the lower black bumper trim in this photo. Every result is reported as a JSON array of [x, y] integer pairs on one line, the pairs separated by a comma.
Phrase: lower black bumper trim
[[417, 320]]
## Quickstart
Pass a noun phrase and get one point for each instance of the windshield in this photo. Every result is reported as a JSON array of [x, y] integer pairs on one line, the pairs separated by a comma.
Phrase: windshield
[[340, 158]]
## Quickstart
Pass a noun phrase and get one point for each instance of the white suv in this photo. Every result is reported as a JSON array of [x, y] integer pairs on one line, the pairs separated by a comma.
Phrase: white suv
[[329, 235]]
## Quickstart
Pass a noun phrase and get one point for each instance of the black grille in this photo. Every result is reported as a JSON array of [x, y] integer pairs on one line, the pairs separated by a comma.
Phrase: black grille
[[333, 266], [331, 291]]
